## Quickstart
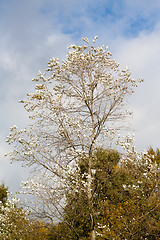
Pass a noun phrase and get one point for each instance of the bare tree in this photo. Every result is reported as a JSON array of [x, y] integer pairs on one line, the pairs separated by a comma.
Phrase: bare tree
[[75, 107]]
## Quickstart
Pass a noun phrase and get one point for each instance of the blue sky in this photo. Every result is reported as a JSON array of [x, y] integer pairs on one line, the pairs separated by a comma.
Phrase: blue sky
[[34, 31]]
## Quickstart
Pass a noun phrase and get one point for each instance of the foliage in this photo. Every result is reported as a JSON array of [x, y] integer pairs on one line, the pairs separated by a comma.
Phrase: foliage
[[3, 194], [15, 222], [133, 212], [126, 200], [154, 155]]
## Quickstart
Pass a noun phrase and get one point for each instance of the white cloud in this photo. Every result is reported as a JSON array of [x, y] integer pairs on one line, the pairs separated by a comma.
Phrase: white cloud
[[27, 44], [141, 54]]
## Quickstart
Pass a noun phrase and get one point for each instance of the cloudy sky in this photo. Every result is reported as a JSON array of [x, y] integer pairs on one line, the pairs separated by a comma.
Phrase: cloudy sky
[[34, 31]]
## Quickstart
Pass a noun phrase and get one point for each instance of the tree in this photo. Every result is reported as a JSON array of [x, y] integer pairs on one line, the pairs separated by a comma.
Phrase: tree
[[15, 222], [75, 107], [131, 211], [126, 199]]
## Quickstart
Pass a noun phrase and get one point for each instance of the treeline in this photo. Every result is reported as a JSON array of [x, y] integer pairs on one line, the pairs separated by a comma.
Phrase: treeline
[[126, 200]]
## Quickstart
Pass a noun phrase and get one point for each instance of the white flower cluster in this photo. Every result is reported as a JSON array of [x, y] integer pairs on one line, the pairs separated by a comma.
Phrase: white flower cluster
[[9, 215]]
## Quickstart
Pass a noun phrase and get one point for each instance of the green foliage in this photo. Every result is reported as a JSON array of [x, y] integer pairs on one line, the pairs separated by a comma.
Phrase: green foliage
[[15, 222], [76, 219], [108, 180], [132, 210], [127, 202], [107, 183], [3, 194]]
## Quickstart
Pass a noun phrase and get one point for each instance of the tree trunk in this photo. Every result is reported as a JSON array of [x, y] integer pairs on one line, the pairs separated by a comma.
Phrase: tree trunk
[[93, 235]]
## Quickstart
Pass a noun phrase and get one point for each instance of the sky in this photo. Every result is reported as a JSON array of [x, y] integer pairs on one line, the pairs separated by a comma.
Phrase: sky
[[34, 31]]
